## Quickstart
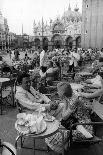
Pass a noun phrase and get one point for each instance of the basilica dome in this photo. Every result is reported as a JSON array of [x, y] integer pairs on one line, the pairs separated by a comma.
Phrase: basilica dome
[[72, 16]]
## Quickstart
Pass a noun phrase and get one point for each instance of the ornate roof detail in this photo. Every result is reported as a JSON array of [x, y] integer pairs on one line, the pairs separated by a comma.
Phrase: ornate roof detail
[[73, 16], [65, 24], [69, 8], [57, 26], [76, 9]]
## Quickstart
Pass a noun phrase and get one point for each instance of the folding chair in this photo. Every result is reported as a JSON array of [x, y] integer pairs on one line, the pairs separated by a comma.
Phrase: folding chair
[[6, 71]]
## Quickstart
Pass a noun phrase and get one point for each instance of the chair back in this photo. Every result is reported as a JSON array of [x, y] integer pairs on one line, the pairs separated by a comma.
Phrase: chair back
[[7, 88], [6, 71]]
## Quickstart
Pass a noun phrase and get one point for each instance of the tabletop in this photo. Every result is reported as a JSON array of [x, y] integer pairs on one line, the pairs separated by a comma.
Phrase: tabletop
[[4, 80], [52, 128], [76, 86], [84, 73]]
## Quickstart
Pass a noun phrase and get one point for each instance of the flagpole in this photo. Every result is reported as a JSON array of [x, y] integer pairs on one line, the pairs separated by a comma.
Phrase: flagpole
[[22, 29], [42, 31], [22, 37]]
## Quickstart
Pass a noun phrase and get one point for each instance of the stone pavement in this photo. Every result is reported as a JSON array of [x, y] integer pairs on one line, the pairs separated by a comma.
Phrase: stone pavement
[[9, 134]]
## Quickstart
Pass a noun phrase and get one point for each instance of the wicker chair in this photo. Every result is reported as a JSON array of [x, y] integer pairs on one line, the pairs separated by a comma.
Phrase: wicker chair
[[7, 149]]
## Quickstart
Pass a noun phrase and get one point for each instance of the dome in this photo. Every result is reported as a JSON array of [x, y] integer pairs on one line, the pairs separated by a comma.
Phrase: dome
[[70, 15]]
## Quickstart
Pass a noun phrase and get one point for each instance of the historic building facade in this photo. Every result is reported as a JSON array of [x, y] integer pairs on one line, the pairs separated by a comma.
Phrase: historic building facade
[[7, 39], [64, 32], [92, 24], [4, 30]]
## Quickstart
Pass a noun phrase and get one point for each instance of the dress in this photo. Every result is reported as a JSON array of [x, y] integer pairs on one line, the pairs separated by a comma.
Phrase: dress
[[55, 141], [82, 114]]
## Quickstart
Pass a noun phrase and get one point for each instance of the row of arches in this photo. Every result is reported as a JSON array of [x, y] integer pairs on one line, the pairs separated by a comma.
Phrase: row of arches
[[58, 42]]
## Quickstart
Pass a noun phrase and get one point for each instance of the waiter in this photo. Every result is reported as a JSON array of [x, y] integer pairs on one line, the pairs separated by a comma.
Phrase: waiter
[[43, 59]]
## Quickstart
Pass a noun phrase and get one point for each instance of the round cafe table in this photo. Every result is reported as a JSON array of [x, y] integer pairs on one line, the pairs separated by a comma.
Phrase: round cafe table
[[52, 128]]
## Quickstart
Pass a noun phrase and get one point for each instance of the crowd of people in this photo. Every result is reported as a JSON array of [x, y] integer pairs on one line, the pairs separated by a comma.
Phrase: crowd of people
[[75, 106]]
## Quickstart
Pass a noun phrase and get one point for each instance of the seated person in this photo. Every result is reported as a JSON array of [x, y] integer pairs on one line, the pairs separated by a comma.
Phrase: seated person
[[97, 93], [97, 80], [72, 109], [31, 99], [57, 70], [52, 72], [27, 96]]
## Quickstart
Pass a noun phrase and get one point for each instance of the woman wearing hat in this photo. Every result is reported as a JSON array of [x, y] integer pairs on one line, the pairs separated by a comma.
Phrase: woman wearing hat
[[74, 110]]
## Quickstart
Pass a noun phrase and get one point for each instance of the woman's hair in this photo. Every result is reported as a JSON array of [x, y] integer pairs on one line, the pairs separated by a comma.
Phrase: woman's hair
[[64, 89], [21, 76]]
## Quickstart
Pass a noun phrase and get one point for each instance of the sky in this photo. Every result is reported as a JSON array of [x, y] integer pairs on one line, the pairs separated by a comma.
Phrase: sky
[[23, 12]]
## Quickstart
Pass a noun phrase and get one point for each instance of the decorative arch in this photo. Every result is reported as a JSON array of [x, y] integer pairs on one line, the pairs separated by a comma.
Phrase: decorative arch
[[78, 42], [37, 43], [57, 41], [69, 42], [58, 27]]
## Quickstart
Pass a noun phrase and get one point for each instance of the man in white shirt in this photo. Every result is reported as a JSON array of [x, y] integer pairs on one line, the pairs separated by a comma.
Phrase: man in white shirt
[[31, 99], [27, 96], [42, 58], [74, 58]]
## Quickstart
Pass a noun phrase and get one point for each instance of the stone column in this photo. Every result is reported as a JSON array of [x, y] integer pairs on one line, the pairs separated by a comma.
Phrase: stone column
[[5, 46], [2, 45]]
